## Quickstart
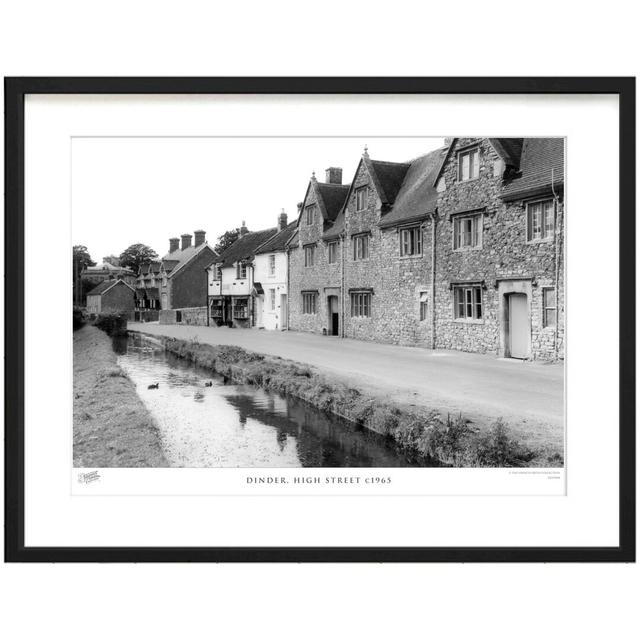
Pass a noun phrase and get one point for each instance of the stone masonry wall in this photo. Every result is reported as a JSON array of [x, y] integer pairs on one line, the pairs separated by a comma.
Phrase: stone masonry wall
[[191, 315]]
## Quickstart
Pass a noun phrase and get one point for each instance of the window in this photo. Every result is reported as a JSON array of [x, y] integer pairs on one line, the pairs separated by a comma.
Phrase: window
[[241, 271], [217, 272], [309, 302], [411, 241], [469, 164], [549, 310], [272, 265], [361, 304], [361, 199], [467, 231], [468, 303], [309, 255], [164, 281], [360, 246], [310, 212], [332, 252], [240, 309], [272, 299], [424, 310], [540, 222]]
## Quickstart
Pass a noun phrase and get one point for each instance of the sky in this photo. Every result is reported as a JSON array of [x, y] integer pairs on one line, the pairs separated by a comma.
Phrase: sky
[[147, 190]]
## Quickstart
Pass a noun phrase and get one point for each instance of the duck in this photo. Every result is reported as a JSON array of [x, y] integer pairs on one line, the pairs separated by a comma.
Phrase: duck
[[208, 384], [154, 386]]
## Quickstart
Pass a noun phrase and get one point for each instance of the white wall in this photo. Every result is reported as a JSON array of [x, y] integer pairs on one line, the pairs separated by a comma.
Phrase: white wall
[[268, 317]]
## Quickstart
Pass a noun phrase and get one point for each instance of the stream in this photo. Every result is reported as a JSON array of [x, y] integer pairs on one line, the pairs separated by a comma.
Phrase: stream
[[234, 425]]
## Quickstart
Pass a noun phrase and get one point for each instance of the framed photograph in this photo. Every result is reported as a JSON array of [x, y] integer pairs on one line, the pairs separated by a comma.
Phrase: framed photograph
[[320, 319]]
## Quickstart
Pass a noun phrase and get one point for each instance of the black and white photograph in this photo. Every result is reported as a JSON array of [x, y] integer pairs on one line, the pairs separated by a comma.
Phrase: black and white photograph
[[271, 302]]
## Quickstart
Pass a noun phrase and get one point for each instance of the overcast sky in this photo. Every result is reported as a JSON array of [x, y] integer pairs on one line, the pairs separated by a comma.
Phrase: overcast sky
[[130, 190]]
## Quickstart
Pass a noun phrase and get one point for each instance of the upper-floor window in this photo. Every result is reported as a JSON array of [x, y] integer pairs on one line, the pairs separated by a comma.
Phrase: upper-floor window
[[360, 246], [217, 272], [272, 265], [411, 241], [469, 164], [361, 198], [241, 270], [549, 311], [309, 255], [164, 281], [467, 231], [332, 252], [310, 214], [540, 220], [467, 303]]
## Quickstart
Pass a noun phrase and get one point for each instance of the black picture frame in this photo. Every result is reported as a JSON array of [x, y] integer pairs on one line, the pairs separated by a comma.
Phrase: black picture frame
[[15, 91]]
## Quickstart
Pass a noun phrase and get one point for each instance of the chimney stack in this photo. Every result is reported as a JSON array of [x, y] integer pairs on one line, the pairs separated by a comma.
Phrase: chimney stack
[[243, 230], [186, 241], [282, 221], [174, 244], [199, 235], [333, 175]]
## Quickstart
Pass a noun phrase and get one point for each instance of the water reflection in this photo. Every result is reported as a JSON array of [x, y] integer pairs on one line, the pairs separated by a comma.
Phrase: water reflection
[[230, 425]]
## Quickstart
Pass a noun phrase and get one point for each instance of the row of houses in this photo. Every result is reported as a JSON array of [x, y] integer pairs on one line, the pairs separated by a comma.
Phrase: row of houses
[[460, 248]]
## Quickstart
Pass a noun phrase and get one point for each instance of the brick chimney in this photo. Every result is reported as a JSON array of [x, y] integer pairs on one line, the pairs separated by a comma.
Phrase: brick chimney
[[199, 235], [186, 241], [282, 221], [243, 230], [333, 175], [174, 244]]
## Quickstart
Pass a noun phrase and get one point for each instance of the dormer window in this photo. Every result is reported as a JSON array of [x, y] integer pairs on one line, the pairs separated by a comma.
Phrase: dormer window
[[310, 213], [469, 164], [241, 272], [361, 198]]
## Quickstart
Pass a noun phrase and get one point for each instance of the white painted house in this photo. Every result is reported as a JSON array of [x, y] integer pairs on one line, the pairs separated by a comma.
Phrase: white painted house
[[270, 270]]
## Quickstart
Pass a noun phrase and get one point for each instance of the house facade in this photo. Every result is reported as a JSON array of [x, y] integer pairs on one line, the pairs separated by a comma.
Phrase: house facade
[[461, 248], [232, 288], [271, 274], [111, 296]]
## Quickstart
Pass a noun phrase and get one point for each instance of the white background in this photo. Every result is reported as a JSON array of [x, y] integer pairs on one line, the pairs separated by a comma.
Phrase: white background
[[187, 38]]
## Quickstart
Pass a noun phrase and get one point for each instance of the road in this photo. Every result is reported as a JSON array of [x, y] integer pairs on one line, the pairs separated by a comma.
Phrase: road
[[528, 395]]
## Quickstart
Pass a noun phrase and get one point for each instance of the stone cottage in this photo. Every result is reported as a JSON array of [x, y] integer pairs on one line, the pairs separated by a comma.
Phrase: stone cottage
[[459, 249], [232, 286], [271, 276]]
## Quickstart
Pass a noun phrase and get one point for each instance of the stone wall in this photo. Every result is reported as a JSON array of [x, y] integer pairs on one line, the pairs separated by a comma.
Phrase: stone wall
[[191, 315]]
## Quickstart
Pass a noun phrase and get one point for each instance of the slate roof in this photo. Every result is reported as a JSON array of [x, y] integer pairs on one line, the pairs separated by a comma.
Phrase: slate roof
[[417, 195], [107, 266], [244, 248], [540, 157], [333, 196], [388, 177], [182, 256], [279, 241], [509, 149], [168, 265], [105, 285]]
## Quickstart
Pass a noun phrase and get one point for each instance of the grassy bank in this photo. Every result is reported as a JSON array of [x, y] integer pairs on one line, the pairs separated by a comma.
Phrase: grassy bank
[[111, 426], [450, 440]]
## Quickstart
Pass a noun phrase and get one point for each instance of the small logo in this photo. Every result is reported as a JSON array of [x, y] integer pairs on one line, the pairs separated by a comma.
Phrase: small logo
[[87, 478]]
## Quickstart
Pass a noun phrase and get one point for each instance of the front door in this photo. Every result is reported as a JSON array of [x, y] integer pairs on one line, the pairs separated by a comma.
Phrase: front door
[[518, 326], [334, 316], [283, 311]]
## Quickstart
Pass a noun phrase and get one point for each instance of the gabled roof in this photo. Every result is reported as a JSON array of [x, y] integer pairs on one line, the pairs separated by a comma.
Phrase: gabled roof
[[244, 248], [541, 158], [417, 195], [168, 265], [107, 266], [278, 242], [104, 286], [333, 197], [178, 259], [387, 176]]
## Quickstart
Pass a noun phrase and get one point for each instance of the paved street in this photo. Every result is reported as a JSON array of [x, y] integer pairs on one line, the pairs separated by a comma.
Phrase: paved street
[[528, 395]]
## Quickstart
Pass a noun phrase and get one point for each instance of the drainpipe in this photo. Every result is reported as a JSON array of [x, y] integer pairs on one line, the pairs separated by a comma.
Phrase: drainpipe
[[286, 288], [342, 284], [556, 242], [433, 279]]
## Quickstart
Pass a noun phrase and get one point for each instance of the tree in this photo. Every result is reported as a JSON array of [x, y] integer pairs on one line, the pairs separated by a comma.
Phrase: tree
[[81, 260], [136, 255], [112, 260], [226, 240]]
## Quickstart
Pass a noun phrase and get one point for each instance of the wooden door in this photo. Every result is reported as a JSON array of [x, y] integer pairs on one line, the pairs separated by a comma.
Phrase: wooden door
[[518, 326]]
